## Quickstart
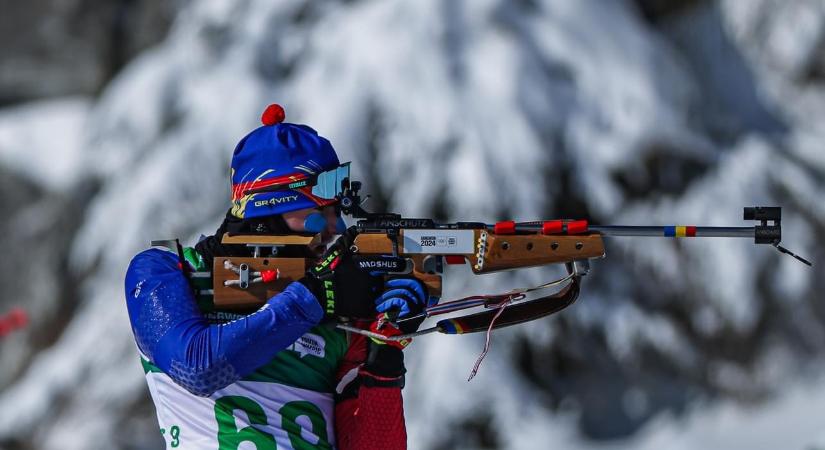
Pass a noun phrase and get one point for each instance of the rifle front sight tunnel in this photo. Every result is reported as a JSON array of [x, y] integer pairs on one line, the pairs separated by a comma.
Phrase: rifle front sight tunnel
[[765, 233]]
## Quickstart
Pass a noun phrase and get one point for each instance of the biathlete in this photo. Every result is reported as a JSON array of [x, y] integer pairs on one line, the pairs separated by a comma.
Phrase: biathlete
[[279, 377]]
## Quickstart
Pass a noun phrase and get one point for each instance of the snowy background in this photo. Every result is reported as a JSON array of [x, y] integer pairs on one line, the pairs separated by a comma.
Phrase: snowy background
[[118, 118]]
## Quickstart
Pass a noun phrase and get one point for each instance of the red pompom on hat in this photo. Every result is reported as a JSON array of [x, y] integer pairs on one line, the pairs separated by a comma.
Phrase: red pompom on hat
[[273, 114]]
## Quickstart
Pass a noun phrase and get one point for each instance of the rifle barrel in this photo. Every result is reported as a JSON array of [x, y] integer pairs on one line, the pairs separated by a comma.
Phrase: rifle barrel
[[651, 231], [673, 231]]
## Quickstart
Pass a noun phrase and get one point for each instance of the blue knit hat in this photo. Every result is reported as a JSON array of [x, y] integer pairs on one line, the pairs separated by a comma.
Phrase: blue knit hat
[[272, 164]]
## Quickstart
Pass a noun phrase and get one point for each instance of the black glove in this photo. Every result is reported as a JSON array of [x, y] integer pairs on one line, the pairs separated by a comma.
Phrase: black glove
[[340, 286], [385, 361]]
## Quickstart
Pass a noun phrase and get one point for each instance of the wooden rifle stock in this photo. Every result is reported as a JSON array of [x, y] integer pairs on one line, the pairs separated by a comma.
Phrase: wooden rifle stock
[[502, 252], [234, 278]]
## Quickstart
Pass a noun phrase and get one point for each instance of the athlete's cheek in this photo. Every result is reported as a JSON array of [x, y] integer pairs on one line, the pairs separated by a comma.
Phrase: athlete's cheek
[[335, 224]]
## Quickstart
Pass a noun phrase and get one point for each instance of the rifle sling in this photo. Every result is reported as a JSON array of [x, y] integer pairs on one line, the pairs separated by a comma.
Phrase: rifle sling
[[512, 315]]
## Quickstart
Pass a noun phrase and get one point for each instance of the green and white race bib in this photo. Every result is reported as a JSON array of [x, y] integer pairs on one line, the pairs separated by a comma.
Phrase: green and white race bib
[[286, 404], [244, 415]]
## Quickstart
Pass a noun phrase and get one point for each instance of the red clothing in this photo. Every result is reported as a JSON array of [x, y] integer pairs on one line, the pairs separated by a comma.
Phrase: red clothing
[[374, 417]]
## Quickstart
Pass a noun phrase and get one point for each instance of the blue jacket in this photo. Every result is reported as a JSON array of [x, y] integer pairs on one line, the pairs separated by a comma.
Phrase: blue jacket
[[202, 357]]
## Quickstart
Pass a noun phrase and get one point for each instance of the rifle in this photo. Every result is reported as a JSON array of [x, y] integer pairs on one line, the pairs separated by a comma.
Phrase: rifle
[[396, 246], [420, 247]]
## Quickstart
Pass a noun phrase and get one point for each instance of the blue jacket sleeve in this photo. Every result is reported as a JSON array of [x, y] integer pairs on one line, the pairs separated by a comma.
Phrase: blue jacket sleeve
[[203, 357]]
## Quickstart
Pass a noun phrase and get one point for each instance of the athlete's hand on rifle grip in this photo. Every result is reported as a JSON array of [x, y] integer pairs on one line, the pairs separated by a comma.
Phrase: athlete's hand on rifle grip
[[340, 286], [403, 297]]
